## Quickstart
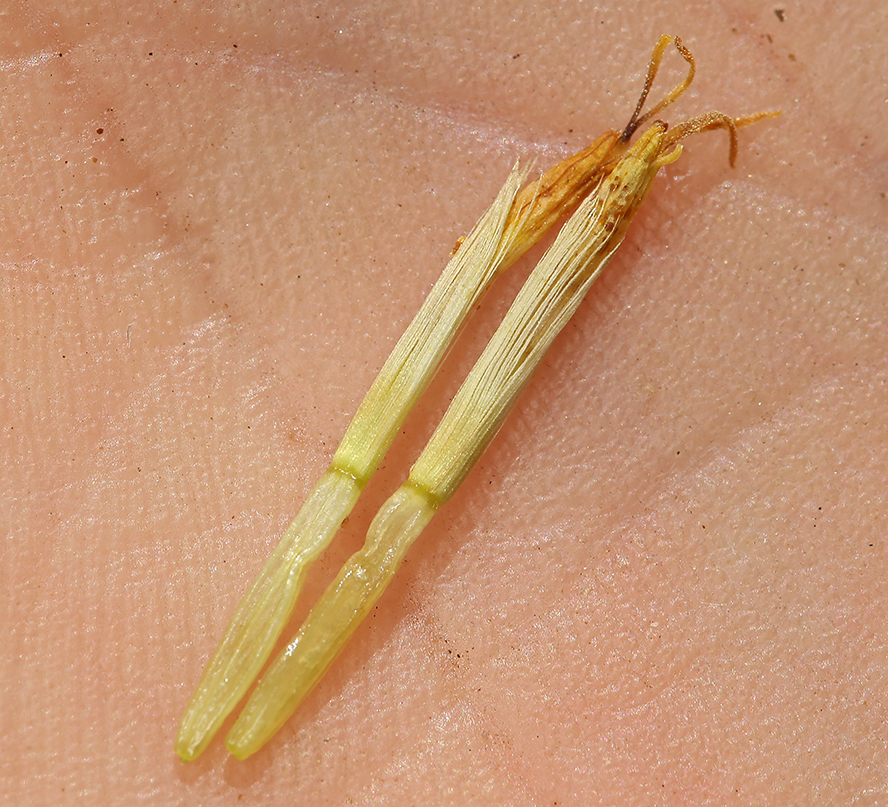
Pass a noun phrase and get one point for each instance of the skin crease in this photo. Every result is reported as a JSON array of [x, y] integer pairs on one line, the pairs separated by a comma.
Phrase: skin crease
[[662, 585]]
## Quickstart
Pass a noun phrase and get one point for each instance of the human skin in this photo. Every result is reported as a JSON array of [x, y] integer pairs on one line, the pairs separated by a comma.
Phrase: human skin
[[663, 583]]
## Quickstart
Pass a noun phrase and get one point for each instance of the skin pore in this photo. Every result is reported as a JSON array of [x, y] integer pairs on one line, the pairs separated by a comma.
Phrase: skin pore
[[662, 584]]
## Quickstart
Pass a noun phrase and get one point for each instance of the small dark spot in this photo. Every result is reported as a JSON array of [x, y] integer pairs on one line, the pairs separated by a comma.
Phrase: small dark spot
[[792, 57], [234, 45], [781, 13], [100, 130], [516, 55], [150, 52]]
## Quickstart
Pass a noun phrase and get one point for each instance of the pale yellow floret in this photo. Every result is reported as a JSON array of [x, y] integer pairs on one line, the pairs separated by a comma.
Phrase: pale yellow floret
[[542, 307], [616, 179], [515, 221]]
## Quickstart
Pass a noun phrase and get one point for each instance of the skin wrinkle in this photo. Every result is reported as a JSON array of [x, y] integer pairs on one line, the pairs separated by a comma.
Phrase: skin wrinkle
[[125, 463]]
